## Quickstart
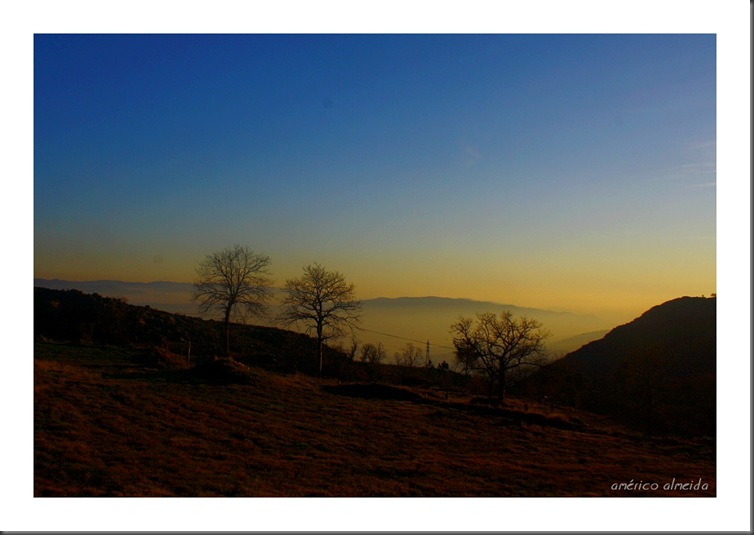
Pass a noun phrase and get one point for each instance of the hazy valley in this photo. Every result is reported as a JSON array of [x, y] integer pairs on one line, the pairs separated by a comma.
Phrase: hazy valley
[[394, 322]]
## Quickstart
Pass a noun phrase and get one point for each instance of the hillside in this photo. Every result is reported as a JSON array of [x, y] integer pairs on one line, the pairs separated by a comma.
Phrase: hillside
[[110, 422], [657, 372], [172, 297], [74, 317], [121, 410], [91, 319], [560, 348]]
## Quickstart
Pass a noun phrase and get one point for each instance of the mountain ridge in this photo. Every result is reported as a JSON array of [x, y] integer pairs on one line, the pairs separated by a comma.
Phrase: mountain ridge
[[435, 300]]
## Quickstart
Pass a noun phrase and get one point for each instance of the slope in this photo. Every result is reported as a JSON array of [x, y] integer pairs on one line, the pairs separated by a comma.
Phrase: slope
[[657, 371]]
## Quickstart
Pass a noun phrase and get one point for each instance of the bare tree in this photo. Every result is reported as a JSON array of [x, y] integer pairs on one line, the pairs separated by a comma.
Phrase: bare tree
[[372, 353], [371, 357], [323, 301], [234, 282], [410, 356], [352, 349], [496, 346]]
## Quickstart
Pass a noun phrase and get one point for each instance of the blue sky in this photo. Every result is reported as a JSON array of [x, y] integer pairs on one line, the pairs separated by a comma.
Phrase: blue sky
[[566, 171]]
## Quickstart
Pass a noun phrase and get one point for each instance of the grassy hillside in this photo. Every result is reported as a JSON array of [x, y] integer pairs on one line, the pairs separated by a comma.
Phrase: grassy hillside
[[111, 421]]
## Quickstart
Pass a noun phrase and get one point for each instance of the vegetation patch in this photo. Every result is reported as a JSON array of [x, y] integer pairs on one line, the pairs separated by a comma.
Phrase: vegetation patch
[[223, 372], [373, 391]]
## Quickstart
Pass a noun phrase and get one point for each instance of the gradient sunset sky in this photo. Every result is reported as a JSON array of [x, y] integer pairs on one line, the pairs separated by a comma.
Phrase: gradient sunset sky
[[574, 172]]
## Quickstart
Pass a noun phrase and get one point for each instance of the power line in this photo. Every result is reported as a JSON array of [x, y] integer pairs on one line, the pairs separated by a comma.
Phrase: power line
[[403, 338]]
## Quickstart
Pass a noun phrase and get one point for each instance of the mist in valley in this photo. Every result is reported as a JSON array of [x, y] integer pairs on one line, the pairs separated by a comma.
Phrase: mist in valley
[[392, 322]]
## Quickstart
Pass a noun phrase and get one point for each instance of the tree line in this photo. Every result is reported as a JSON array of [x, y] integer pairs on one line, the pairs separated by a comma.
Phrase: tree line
[[236, 283]]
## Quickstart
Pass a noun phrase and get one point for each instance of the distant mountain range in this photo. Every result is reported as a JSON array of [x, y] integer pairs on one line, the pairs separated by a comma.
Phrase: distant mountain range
[[392, 321], [453, 304]]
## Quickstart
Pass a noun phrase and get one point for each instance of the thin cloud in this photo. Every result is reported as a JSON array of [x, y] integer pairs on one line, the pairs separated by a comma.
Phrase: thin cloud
[[702, 145], [688, 171], [698, 167]]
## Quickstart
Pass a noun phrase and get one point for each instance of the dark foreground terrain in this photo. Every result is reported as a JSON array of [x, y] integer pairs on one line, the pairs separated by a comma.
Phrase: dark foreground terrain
[[116, 422]]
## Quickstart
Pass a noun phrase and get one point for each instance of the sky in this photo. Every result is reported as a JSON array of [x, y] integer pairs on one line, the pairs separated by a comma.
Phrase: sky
[[574, 172]]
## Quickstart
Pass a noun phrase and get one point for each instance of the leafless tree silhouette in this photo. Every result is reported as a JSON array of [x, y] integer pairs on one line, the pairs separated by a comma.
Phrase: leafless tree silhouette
[[372, 353], [322, 301], [410, 356], [497, 345], [234, 282]]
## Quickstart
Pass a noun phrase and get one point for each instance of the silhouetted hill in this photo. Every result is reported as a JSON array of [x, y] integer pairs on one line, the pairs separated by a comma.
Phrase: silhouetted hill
[[657, 372], [91, 319], [563, 346], [163, 295]]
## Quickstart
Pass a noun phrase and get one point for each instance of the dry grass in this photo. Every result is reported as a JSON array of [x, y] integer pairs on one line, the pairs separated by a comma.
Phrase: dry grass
[[109, 424]]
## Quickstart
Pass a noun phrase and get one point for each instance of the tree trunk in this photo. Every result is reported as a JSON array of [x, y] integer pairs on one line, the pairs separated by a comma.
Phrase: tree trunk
[[502, 382], [319, 346], [227, 332]]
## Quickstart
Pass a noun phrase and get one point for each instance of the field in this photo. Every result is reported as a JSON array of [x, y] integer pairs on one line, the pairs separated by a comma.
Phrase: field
[[111, 422]]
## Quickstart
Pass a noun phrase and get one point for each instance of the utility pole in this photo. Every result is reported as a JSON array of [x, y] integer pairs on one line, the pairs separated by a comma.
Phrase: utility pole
[[427, 358]]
